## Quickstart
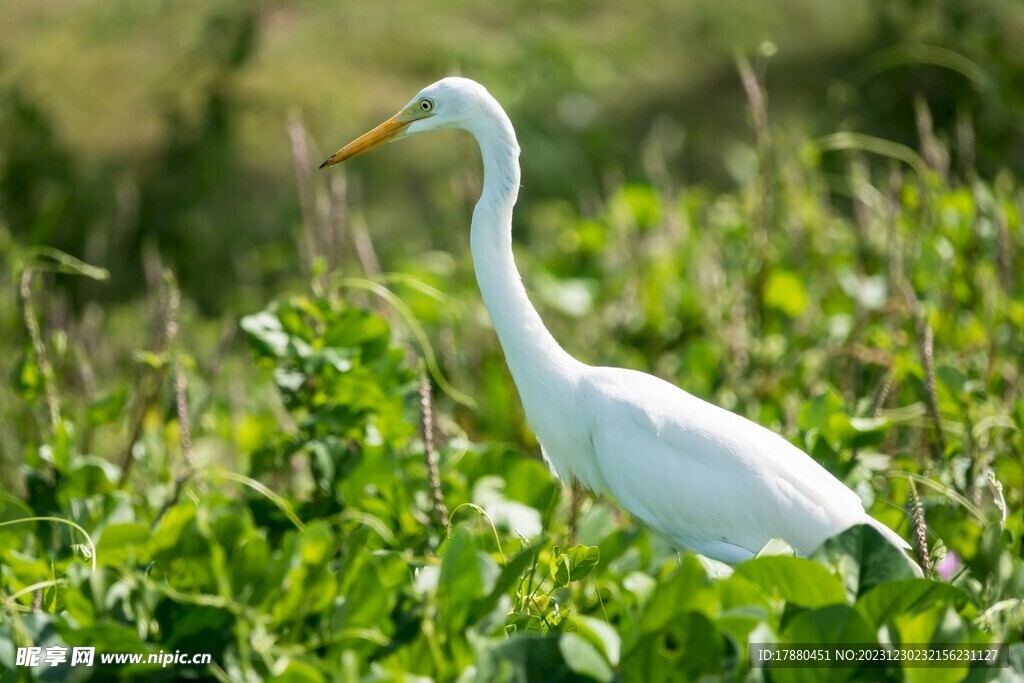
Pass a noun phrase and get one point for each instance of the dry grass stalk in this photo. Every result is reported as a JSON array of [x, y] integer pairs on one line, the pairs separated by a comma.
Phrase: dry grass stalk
[[885, 388], [39, 348], [336, 218], [324, 214], [965, 142], [152, 380], [1004, 250], [304, 182], [905, 290], [180, 381], [758, 102], [180, 404], [181, 407], [895, 250], [429, 454], [757, 99], [365, 251], [933, 151], [920, 528], [927, 343], [86, 372]]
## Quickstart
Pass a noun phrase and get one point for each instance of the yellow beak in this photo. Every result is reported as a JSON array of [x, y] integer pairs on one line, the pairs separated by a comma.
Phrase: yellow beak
[[392, 129]]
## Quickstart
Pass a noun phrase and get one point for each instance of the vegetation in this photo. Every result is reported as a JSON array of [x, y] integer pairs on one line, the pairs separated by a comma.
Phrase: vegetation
[[290, 440]]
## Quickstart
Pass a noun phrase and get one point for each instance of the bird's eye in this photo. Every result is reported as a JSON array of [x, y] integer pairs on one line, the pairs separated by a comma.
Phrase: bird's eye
[[426, 105]]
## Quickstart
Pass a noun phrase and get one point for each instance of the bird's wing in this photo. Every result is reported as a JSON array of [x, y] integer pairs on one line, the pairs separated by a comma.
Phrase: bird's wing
[[706, 477]]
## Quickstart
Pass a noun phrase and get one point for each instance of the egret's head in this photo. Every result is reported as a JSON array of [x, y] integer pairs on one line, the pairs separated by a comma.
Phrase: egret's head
[[450, 103]]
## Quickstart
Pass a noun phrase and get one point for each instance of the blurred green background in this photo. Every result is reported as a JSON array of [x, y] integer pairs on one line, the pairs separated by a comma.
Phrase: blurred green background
[[806, 211], [127, 123]]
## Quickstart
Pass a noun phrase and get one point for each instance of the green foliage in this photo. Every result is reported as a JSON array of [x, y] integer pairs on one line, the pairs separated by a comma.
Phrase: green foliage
[[266, 498], [343, 561], [340, 378]]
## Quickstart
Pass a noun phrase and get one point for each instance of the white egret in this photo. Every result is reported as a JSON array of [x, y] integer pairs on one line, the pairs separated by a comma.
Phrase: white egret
[[710, 480]]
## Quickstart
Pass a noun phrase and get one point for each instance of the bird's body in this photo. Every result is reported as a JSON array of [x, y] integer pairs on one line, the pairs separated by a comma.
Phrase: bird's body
[[708, 479]]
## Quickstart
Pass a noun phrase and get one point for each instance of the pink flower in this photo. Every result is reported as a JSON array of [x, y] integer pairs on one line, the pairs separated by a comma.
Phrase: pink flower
[[949, 566]]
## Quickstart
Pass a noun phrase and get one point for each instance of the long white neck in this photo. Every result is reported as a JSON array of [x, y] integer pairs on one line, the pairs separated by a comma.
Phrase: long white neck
[[538, 364]]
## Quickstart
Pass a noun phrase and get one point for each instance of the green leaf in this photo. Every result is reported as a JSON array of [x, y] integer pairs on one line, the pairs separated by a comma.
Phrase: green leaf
[[355, 328], [794, 579], [363, 601], [864, 558], [88, 474], [822, 415], [622, 548], [639, 204], [119, 543], [785, 292], [514, 572], [176, 532], [684, 649], [507, 515], [574, 563], [868, 143], [737, 594], [299, 671], [522, 659], [461, 582], [834, 625], [583, 658], [105, 636], [108, 408], [150, 359], [56, 261], [817, 412], [601, 635], [13, 535], [309, 586], [776, 546], [330, 460], [938, 625], [26, 377], [266, 334], [686, 589], [527, 481], [908, 596], [316, 543], [864, 432]]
